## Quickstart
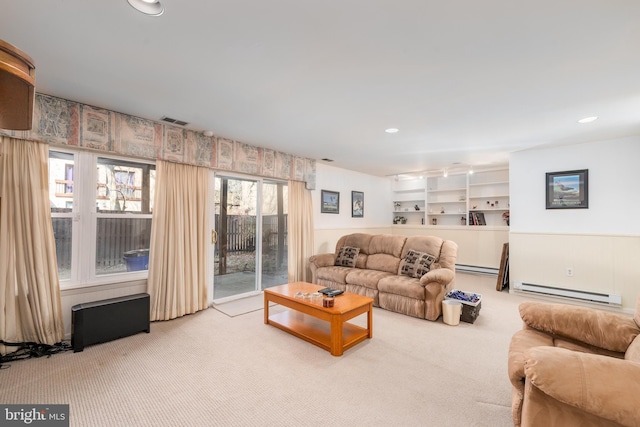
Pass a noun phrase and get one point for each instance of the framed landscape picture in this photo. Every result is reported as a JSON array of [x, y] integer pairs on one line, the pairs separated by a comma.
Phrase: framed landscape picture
[[330, 202], [357, 204], [568, 190]]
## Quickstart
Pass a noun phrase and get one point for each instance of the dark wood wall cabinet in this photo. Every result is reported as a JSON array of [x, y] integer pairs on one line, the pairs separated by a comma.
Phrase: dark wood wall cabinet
[[17, 88]]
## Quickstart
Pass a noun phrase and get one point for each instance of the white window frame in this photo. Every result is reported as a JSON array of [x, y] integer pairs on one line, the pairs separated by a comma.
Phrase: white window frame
[[85, 219]]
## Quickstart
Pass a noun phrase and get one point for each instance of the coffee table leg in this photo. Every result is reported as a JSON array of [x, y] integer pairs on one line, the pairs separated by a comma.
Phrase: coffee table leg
[[370, 320], [336, 336], [266, 309]]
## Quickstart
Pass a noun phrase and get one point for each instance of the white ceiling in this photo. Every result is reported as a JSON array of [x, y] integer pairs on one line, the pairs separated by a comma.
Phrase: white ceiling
[[465, 81]]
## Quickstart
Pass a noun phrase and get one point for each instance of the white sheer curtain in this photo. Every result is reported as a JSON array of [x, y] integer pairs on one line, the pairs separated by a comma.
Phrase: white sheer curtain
[[29, 288], [179, 250], [300, 232]]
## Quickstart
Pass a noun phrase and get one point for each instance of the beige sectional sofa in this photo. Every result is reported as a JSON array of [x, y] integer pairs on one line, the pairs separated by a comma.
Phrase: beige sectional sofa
[[408, 275]]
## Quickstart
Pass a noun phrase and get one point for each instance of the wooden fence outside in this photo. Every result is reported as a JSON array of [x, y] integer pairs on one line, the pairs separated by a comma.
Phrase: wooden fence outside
[[115, 236], [241, 232]]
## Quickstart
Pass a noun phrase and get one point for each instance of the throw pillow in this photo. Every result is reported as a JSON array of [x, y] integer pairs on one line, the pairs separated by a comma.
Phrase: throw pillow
[[416, 264], [347, 256]]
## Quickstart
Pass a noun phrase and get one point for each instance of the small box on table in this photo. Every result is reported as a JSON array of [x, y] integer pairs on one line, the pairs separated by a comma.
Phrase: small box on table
[[471, 304]]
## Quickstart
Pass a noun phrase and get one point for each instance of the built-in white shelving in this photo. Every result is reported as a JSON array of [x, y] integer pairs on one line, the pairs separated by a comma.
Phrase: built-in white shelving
[[481, 198], [409, 201]]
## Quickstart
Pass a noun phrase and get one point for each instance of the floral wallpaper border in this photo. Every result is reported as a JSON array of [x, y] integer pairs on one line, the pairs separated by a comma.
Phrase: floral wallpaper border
[[58, 121]]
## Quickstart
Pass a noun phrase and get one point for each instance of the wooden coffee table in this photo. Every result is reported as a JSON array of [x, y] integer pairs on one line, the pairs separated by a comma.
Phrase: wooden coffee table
[[326, 327]]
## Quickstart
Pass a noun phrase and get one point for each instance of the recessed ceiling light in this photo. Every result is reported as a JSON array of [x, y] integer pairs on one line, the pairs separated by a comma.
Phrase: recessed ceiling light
[[391, 130], [148, 7], [588, 119]]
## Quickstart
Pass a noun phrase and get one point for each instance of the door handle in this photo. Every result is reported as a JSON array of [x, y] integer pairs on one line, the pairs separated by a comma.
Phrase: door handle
[[214, 237]]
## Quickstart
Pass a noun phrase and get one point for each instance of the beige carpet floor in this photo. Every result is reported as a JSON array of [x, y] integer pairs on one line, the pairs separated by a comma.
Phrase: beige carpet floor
[[210, 369], [241, 306]]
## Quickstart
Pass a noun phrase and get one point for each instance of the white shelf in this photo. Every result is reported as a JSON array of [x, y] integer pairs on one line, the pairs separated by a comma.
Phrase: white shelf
[[409, 190], [437, 192], [490, 196], [480, 184], [409, 200], [446, 190]]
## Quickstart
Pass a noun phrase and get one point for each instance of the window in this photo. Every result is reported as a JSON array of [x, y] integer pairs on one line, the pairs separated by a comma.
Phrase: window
[[60, 190], [104, 232]]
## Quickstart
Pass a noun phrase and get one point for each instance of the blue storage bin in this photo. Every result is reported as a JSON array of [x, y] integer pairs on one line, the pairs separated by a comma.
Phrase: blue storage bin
[[137, 260]]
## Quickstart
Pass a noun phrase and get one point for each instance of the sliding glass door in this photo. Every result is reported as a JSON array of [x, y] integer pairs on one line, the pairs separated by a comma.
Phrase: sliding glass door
[[250, 236], [236, 208], [274, 233]]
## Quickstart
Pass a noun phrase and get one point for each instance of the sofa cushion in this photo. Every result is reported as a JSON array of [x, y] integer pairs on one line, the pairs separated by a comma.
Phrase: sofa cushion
[[366, 278], [387, 244], [416, 264], [429, 244], [357, 240], [347, 256], [383, 262], [334, 273]]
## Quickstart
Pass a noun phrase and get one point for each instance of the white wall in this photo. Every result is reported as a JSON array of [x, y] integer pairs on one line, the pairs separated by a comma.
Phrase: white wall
[[476, 246], [377, 205], [614, 199], [601, 244]]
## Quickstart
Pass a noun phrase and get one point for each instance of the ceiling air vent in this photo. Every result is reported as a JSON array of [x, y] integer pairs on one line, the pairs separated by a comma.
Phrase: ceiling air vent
[[174, 121], [327, 160]]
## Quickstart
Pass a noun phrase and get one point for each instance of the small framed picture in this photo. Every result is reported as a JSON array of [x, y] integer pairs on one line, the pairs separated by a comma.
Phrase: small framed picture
[[330, 202], [568, 190], [357, 204]]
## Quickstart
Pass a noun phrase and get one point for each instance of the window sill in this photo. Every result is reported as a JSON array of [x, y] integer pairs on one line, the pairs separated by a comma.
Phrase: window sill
[[109, 284]]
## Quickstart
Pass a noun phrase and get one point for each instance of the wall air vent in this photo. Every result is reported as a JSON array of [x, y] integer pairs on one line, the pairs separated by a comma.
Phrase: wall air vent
[[174, 121]]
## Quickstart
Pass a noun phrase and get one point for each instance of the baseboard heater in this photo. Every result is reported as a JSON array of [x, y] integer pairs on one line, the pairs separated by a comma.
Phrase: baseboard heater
[[109, 319], [602, 298], [476, 269]]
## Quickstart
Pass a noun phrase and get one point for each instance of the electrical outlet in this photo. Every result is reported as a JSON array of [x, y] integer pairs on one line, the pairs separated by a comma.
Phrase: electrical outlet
[[569, 271]]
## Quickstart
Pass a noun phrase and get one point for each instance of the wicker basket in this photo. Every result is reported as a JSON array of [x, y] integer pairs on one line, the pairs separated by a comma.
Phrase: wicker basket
[[470, 310]]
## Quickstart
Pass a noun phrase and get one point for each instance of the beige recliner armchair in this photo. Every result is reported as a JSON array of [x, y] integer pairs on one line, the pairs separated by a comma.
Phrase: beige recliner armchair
[[575, 366]]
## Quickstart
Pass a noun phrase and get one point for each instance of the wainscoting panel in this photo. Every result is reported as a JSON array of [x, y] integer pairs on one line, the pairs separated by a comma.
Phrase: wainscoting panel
[[606, 264]]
